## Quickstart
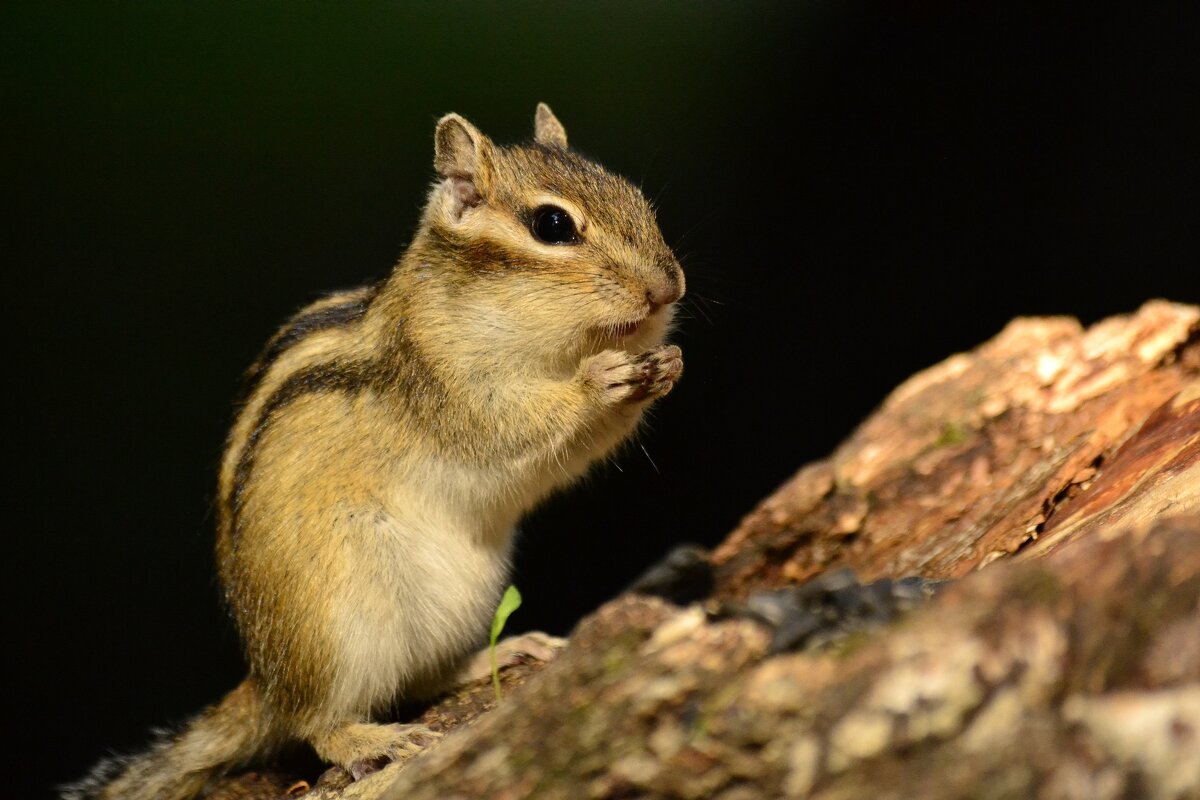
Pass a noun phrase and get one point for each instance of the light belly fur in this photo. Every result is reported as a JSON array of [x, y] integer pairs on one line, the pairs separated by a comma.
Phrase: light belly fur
[[395, 633]]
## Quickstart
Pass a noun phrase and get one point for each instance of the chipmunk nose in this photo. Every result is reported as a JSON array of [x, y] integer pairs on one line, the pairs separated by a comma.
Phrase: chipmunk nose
[[665, 291]]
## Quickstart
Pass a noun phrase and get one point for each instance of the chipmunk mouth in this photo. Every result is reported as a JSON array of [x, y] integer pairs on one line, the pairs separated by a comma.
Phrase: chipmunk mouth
[[636, 333], [626, 329], [637, 327]]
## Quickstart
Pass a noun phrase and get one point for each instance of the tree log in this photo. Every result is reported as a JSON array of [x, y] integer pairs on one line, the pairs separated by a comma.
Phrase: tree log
[[1054, 472], [994, 451]]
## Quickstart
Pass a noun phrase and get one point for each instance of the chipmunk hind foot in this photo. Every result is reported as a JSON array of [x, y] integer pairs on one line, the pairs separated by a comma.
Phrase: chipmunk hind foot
[[361, 748]]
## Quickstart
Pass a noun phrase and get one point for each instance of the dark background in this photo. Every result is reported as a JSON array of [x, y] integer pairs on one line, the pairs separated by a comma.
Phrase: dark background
[[857, 191]]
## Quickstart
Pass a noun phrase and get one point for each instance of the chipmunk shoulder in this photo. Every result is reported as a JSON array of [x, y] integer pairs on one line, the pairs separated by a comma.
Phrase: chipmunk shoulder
[[391, 437]]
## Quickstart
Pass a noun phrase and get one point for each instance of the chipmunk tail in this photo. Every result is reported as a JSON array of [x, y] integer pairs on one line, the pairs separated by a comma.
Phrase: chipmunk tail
[[180, 764]]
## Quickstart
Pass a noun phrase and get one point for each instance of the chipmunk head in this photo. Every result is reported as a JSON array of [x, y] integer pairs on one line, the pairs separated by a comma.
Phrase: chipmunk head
[[548, 250]]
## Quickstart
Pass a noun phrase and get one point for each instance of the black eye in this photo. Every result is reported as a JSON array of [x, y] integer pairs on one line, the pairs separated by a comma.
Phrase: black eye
[[553, 225]]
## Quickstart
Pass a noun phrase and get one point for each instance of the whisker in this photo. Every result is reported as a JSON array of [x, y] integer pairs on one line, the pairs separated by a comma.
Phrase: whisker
[[648, 458]]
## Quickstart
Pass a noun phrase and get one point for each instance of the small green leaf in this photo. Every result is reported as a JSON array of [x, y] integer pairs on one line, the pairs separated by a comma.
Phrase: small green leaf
[[508, 604]]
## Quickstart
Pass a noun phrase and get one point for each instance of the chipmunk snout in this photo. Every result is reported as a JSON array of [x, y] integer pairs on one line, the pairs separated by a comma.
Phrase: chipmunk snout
[[665, 291]]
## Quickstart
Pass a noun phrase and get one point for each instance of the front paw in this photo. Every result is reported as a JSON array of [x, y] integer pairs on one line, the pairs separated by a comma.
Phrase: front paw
[[624, 378]]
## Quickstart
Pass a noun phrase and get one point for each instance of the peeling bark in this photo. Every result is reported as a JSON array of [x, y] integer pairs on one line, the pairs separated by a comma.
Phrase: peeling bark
[[981, 455]]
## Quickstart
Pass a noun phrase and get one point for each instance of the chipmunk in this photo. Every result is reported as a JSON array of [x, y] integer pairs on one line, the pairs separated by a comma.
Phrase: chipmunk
[[392, 437]]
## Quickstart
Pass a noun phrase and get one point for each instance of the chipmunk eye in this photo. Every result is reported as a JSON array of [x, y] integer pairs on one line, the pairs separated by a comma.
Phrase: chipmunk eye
[[553, 225]]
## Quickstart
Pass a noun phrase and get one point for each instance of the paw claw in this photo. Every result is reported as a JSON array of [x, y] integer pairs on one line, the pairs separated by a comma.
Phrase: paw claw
[[363, 767], [626, 378]]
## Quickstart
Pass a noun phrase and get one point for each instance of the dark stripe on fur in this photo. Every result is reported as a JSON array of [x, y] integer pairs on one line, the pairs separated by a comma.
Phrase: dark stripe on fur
[[302, 325], [323, 378], [482, 255]]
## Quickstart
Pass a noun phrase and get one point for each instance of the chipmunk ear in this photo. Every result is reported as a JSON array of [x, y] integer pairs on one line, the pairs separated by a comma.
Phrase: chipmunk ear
[[464, 156], [547, 129]]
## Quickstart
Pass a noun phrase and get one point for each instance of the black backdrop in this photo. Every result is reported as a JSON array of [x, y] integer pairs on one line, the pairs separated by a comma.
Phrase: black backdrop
[[857, 190]]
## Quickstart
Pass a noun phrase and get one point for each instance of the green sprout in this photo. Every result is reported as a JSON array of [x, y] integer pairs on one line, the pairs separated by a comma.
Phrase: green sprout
[[508, 604]]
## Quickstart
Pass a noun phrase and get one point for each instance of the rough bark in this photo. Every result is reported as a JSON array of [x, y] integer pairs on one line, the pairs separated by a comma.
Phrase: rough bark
[[1069, 671], [992, 451], [1073, 676]]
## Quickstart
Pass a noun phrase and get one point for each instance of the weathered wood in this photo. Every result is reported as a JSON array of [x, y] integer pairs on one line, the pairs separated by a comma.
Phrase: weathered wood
[[977, 457], [1072, 676], [1069, 671]]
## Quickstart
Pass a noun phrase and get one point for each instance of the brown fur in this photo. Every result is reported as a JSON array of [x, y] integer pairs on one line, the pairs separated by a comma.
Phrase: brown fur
[[392, 436]]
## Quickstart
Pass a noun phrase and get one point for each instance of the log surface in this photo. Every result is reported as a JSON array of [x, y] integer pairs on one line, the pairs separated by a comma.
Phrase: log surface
[[1054, 473]]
